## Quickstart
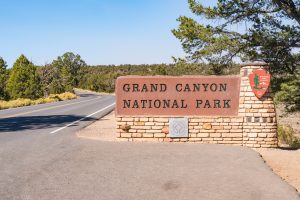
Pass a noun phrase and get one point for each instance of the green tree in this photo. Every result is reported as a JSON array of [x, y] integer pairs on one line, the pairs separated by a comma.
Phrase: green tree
[[3, 79], [51, 80], [23, 81], [290, 95], [268, 30], [160, 70], [69, 65]]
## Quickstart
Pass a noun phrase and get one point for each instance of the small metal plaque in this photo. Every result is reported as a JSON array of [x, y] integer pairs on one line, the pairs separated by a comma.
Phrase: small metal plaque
[[179, 127]]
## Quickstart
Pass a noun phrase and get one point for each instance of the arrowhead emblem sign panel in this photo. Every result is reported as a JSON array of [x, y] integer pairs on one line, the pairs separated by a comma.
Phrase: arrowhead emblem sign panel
[[259, 82]]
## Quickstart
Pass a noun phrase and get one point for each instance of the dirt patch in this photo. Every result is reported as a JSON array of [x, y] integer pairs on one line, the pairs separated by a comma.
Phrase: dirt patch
[[103, 129], [285, 163]]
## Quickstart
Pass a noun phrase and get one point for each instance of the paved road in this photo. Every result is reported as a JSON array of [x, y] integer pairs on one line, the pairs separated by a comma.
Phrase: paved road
[[52, 118], [38, 165]]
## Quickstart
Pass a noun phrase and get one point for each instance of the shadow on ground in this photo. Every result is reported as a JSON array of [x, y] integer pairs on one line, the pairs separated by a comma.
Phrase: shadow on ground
[[38, 122], [88, 95]]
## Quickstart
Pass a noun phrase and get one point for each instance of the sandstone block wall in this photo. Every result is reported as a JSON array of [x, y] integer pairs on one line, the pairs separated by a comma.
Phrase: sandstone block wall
[[255, 125]]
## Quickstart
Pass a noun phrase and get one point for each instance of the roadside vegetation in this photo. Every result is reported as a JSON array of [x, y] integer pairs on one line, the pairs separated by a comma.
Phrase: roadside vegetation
[[27, 102], [28, 81], [287, 137]]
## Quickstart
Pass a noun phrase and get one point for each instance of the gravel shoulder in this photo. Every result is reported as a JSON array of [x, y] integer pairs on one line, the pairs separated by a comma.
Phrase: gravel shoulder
[[103, 129], [285, 163]]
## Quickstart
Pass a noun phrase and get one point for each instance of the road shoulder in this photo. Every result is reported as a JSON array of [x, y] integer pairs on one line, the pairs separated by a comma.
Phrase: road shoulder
[[102, 129], [285, 163]]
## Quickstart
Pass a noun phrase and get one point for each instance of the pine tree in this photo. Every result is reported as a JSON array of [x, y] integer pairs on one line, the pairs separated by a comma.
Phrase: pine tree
[[268, 31], [3, 79], [23, 81], [69, 66]]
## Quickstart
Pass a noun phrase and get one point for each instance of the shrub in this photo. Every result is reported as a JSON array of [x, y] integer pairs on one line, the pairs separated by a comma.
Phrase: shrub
[[286, 135], [289, 95], [67, 96], [26, 102]]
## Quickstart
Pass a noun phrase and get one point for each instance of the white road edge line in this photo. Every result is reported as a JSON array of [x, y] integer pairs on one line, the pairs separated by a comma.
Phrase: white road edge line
[[55, 131]]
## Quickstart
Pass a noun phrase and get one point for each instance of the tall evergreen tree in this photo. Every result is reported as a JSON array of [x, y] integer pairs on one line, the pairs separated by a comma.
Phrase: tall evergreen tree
[[3, 79], [24, 81]]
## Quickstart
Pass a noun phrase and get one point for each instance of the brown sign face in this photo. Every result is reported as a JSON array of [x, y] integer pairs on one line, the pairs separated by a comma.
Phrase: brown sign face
[[259, 81], [177, 96]]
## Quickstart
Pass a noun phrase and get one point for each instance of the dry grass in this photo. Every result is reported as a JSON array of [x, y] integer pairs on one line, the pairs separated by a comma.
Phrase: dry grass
[[90, 91], [28, 102]]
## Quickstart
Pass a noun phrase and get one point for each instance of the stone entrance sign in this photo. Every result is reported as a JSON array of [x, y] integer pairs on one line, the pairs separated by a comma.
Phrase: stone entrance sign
[[178, 96], [215, 109]]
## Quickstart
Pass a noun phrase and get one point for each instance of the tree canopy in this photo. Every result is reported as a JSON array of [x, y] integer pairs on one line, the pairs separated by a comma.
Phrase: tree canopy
[[69, 66], [24, 81], [243, 30]]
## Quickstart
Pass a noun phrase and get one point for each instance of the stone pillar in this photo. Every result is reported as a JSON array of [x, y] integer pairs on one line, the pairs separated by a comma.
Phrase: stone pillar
[[259, 126]]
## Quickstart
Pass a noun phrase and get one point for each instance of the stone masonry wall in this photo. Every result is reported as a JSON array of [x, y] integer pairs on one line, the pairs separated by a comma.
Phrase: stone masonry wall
[[255, 125]]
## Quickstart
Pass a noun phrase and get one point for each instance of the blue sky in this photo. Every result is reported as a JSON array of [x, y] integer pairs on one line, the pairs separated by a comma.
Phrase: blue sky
[[101, 31]]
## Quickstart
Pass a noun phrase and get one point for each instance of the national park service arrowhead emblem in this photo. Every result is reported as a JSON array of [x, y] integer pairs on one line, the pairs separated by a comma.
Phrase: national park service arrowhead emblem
[[259, 82]]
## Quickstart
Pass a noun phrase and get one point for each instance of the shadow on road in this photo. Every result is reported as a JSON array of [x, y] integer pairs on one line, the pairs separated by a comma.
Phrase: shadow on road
[[38, 122], [88, 95]]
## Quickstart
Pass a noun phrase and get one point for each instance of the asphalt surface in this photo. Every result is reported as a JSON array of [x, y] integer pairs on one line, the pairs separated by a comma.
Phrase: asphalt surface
[[51, 118], [38, 165]]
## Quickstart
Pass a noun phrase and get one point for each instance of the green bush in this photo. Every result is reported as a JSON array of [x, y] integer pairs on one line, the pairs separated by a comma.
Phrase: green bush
[[286, 135], [289, 95]]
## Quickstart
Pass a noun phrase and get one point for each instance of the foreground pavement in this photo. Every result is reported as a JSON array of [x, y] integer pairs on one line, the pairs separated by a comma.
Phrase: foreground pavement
[[37, 165], [63, 166]]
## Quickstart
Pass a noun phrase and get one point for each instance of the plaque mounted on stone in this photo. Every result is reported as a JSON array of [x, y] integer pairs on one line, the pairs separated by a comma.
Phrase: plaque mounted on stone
[[259, 81], [178, 127]]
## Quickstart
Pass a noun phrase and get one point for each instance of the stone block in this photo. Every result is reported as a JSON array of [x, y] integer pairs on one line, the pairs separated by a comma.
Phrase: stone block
[[161, 119], [148, 135], [153, 131], [159, 135], [125, 127], [203, 135], [149, 123], [140, 123], [157, 127], [137, 135], [232, 135], [125, 135], [127, 119], [252, 135], [262, 135], [218, 127], [195, 139], [165, 130], [144, 119], [215, 135], [207, 126]]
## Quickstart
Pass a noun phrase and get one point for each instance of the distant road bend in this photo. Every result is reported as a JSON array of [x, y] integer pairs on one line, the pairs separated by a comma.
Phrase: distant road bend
[[53, 118]]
